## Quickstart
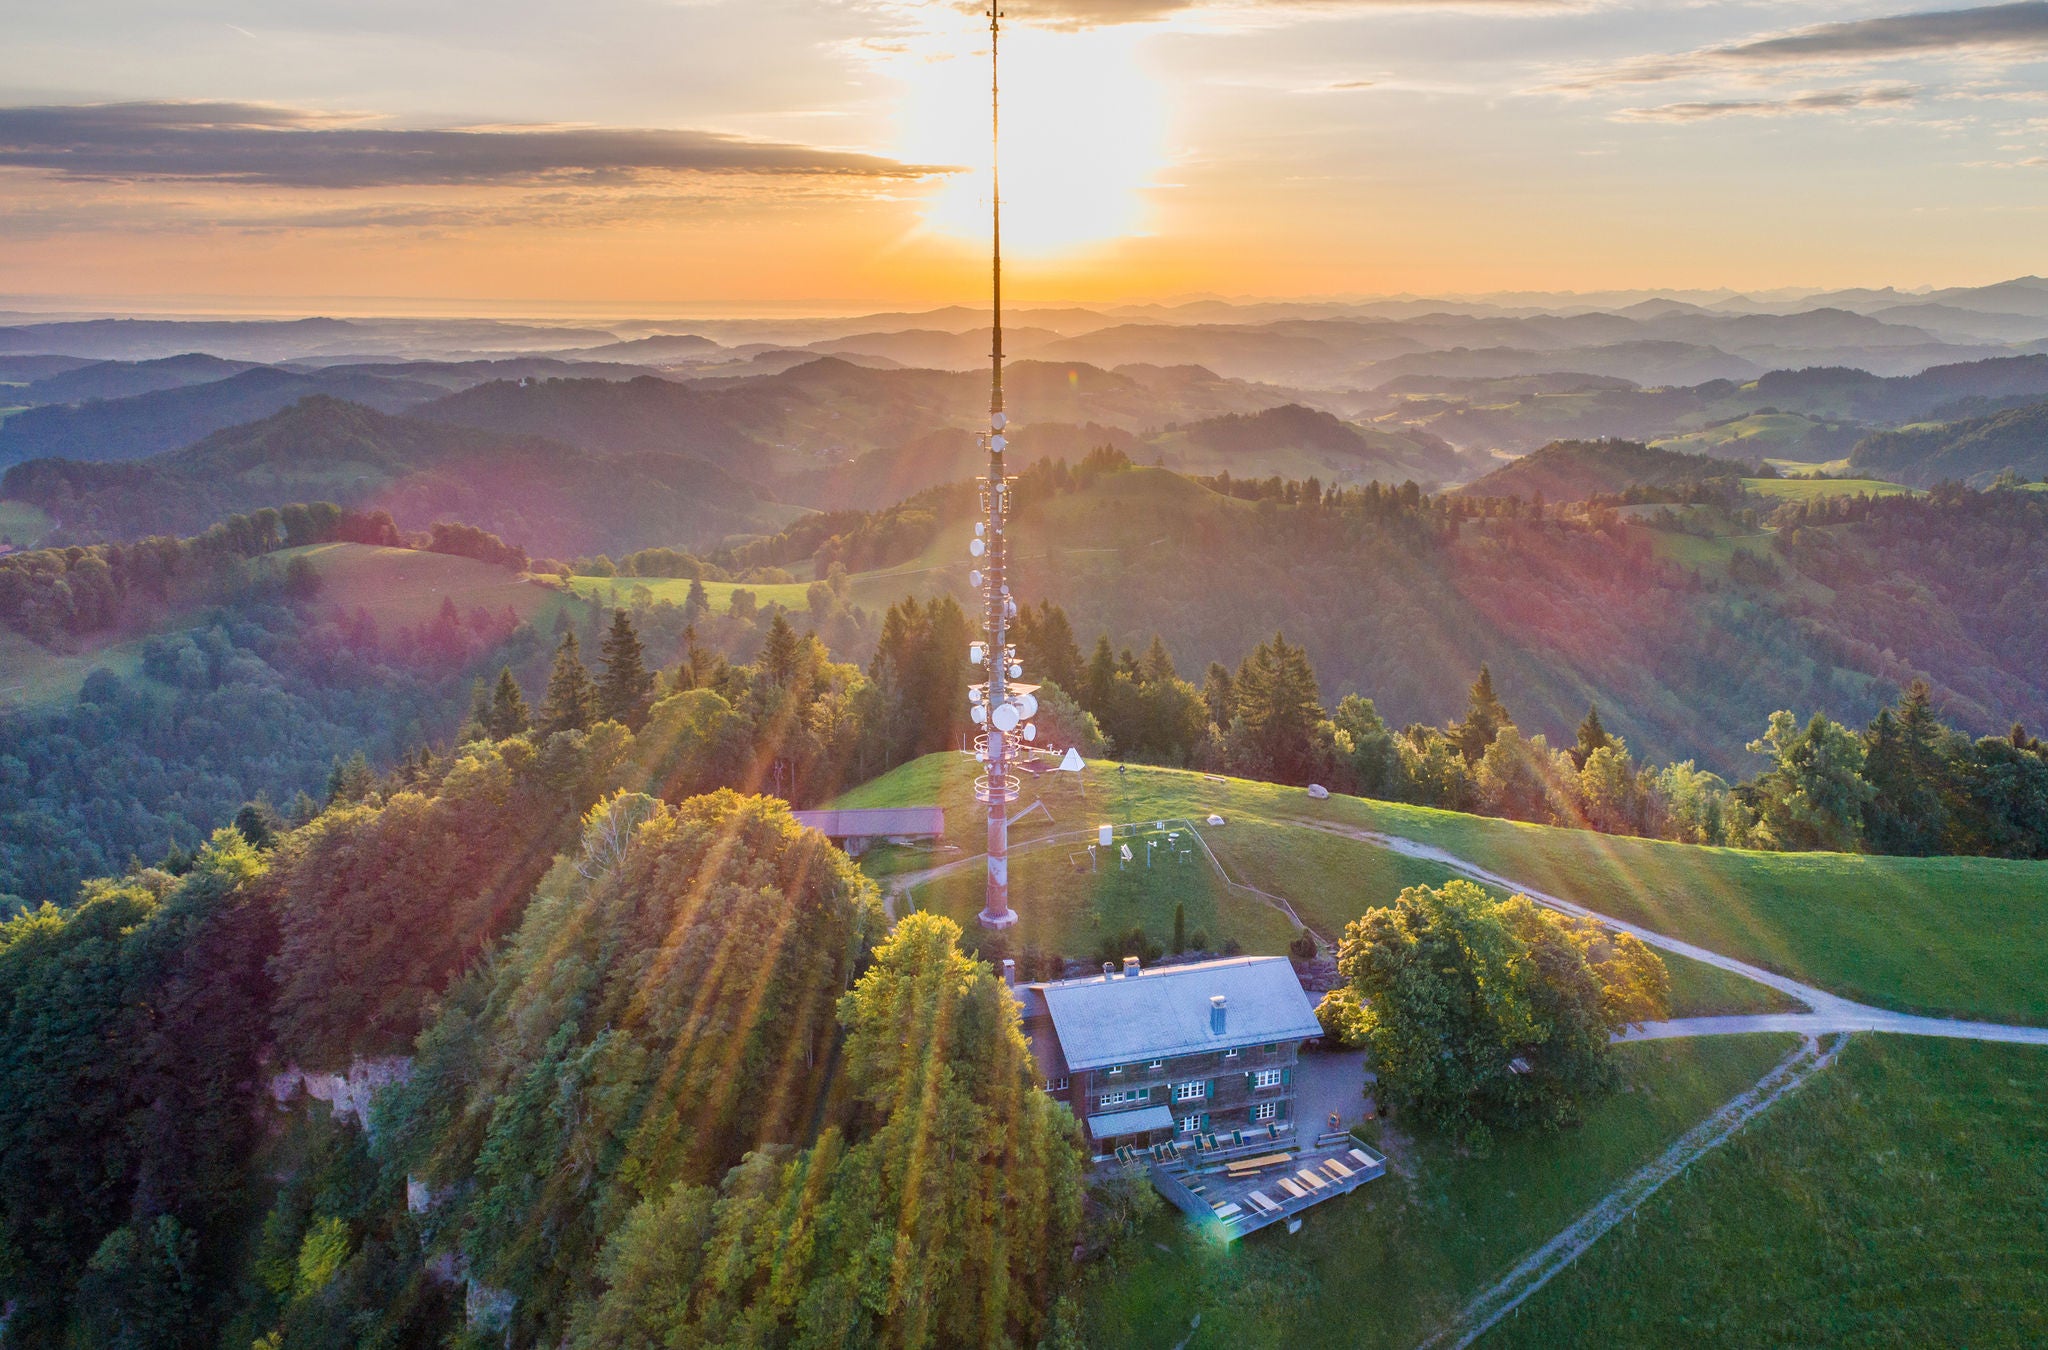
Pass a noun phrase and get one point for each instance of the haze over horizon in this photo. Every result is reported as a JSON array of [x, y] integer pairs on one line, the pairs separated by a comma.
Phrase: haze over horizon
[[720, 157]]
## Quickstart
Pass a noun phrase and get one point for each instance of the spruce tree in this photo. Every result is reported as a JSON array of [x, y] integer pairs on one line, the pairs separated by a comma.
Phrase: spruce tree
[[626, 689], [779, 653], [351, 781], [1219, 694], [1157, 667], [508, 714], [571, 699], [1484, 718], [479, 724], [1100, 684], [1592, 736]]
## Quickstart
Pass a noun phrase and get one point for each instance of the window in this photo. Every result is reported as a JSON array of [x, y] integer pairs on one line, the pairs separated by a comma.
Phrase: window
[[1190, 1092], [1156, 1064], [1230, 1054], [1189, 1124], [1270, 1049], [1266, 1078], [1115, 1068], [1127, 1095], [1265, 1110], [1056, 1084]]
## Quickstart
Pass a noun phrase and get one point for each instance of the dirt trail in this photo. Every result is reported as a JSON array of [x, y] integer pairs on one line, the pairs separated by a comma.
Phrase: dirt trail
[[1537, 1269]]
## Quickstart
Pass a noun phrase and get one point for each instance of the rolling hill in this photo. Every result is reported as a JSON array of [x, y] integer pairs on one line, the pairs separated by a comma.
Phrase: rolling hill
[[542, 494], [125, 379], [1974, 450], [149, 424], [1298, 442], [1574, 470]]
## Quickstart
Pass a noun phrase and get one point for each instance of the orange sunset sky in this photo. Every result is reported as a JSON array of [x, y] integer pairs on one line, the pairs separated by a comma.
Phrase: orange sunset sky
[[622, 156]]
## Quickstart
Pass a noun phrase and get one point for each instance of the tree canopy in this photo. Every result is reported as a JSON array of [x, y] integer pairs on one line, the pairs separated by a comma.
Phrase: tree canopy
[[1481, 1014]]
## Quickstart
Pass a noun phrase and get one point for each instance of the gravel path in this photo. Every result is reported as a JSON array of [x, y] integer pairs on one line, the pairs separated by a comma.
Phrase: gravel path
[[1537, 1269], [1827, 1013]]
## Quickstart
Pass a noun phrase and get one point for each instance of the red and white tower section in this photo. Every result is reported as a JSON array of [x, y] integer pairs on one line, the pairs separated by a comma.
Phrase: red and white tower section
[[1001, 705]]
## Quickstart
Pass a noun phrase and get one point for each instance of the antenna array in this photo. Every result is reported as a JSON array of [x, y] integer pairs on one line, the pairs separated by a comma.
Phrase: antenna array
[[1000, 706]]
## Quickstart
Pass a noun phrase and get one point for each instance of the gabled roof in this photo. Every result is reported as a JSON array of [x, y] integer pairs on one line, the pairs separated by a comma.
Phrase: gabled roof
[[1165, 1013], [875, 821]]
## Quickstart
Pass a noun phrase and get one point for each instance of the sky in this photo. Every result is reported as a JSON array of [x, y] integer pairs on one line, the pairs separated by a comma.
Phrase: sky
[[619, 157]]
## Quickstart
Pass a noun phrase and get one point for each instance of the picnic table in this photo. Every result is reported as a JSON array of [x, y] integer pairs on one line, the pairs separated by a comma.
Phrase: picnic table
[[1248, 1165]]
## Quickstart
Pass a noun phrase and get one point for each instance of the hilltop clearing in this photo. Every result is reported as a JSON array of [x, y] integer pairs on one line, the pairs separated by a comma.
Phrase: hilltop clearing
[[1770, 435], [1929, 935]]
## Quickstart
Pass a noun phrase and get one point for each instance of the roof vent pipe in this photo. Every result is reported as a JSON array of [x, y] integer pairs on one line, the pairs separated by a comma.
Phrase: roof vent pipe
[[1010, 972], [1215, 1014], [1130, 967], [1108, 969]]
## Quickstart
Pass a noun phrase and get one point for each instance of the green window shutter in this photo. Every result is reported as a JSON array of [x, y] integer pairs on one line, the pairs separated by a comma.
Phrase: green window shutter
[[1284, 1104], [1205, 1121], [1208, 1087], [1287, 1077]]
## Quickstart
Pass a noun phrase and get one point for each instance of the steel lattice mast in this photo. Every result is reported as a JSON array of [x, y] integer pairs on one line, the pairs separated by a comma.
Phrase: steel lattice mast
[[1000, 706]]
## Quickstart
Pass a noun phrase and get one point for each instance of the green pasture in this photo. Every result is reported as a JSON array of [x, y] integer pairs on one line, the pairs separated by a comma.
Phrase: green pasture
[[1388, 1264], [1898, 1198], [1819, 489], [1964, 937], [23, 525]]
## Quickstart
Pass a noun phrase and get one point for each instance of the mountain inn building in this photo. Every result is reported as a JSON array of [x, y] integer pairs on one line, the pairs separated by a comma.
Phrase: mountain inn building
[[1142, 1057]]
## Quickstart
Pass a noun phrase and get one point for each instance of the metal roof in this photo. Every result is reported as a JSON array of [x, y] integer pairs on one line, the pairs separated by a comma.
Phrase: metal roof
[[1165, 1013], [875, 821], [1115, 1124]]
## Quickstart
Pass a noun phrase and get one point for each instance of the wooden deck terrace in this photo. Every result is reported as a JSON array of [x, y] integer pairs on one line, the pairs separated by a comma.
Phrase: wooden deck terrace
[[1231, 1199]]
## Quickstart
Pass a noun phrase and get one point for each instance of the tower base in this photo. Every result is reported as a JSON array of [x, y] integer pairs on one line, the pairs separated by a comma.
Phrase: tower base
[[1006, 919]]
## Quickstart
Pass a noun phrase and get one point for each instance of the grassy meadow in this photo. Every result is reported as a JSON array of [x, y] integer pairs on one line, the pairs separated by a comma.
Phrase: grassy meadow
[[403, 587], [1386, 1265], [1819, 489], [1899, 1198], [23, 525], [397, 587], [1955, 936]]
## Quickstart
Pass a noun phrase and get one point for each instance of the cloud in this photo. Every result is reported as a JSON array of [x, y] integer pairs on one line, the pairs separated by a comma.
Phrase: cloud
[[1833, 100], [2011, 28], [2017, 25], [264, 145]]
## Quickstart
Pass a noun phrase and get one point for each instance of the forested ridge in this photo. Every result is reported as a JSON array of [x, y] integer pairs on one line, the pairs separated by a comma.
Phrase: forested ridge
[[659, 1079]]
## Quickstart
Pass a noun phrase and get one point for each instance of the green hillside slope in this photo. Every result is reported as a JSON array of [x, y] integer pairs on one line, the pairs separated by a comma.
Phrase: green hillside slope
[[1973, 450], [1898, 1199], [1965, 937]]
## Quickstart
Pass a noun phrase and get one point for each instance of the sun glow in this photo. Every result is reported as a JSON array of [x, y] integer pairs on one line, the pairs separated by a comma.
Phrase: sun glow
[[1083, 138]]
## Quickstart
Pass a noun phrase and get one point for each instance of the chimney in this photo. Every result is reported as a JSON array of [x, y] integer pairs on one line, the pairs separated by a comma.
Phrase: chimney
[[1215, 1014], [1108, 969], [1130, 967], [1010, 972]]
